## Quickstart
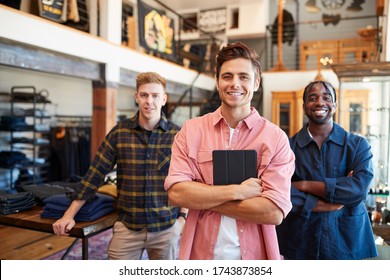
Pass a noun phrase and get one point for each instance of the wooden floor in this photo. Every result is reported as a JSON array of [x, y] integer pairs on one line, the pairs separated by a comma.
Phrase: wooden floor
[[22, 244]]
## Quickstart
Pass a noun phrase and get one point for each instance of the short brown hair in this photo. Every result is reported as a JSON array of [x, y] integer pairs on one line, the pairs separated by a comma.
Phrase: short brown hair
[[148, 78], [237, 50]]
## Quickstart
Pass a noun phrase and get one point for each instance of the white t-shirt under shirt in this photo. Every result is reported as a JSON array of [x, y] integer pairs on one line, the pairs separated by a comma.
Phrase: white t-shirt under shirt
[[227, 246]]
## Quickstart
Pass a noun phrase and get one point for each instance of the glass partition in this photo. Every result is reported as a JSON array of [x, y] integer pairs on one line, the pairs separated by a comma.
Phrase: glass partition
[[364, 108]]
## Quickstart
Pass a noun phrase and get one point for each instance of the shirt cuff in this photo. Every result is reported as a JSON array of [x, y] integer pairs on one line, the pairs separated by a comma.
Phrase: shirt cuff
[[311, 202], [330, 187]]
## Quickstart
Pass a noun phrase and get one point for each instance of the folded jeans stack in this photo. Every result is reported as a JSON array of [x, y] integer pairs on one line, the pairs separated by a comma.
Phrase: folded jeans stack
[[9, 159], [16, 202], [45, 190], [15, 123], [56, 205]]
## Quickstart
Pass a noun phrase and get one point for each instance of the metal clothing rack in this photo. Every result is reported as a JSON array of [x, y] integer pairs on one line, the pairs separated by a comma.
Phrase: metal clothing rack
[[72, 120]]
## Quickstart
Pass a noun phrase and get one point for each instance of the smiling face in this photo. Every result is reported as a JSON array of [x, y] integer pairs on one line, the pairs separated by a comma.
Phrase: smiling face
[[319, 104], [236, 83], [150, 98]]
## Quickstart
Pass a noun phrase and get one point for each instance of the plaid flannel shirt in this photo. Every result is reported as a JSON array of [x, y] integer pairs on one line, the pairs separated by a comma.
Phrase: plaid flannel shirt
[[142, 159]]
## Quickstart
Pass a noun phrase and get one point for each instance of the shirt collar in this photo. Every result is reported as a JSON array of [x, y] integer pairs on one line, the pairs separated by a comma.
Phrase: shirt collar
[[164, 124], [250, 120], [337, 136]]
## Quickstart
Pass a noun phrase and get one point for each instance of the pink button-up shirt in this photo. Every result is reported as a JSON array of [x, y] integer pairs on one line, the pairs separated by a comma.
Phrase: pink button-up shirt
[[192, 161]]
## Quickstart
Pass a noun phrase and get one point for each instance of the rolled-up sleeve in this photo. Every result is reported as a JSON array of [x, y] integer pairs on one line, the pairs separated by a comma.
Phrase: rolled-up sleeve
[[276, 176], [180, 169]]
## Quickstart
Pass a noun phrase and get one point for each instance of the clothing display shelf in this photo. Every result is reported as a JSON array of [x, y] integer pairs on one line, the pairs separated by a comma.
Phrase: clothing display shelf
[[28, 125]]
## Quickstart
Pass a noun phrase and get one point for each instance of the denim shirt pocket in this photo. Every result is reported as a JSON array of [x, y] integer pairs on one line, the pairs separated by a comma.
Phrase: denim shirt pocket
[[353, 232], [336, 170]]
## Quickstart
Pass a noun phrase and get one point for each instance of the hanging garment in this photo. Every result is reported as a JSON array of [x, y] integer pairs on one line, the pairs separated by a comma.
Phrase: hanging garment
[[288, 34], [333, 19], [70, 152], [356, 6]]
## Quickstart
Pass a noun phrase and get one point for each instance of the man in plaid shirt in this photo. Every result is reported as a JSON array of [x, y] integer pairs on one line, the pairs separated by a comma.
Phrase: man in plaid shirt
[[140, 147]]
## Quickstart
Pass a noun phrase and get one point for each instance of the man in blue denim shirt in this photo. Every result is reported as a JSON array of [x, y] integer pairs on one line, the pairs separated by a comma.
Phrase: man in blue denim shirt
[[333, 171]]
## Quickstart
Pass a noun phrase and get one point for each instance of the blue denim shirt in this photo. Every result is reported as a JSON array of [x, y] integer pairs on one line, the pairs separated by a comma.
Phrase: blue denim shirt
[[342, 234]]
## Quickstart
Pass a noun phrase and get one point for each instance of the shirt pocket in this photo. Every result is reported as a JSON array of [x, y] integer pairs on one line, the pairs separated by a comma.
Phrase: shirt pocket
[[291, 232], [204, 164], [336, 170], [164, 159], [352, 235]]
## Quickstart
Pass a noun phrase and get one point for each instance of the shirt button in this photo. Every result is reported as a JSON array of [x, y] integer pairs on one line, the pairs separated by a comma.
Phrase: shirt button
[[147, 155]]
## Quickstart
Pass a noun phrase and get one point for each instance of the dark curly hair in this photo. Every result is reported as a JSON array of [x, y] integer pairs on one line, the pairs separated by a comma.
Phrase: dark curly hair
[[328, 87]]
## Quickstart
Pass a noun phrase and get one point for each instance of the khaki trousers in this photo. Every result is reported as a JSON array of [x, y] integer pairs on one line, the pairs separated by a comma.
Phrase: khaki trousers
[[127, 244]]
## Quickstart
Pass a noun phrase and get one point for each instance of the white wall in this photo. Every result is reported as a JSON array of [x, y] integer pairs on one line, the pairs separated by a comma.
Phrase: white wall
[[69, 96], [255, 27]]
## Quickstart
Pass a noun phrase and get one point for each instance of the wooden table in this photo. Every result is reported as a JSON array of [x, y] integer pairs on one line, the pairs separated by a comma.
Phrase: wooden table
[[32, 220], [383, 230]]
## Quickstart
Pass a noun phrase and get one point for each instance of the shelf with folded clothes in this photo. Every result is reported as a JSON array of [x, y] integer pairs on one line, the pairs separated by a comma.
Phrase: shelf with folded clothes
[[19, 160], [26, 110], [12, 123], [27, 122], [29, 94], [14, 203], [27, 175], [26, 140], [9, 121]]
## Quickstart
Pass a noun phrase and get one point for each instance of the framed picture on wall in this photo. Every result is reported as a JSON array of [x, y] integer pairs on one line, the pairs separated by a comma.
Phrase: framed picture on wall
[[156, 30], [54, 10]]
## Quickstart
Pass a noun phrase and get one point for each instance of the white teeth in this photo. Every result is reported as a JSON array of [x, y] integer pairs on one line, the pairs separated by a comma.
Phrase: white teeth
[[234, 93]]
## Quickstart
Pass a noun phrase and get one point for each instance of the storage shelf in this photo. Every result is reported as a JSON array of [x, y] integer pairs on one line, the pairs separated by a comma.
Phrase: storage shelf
[[24, 136]]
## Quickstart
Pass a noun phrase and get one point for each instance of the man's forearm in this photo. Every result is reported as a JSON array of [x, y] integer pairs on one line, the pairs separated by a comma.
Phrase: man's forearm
[[257, 210], [195, 195], [316, 188], [323, 206], [73, 208]]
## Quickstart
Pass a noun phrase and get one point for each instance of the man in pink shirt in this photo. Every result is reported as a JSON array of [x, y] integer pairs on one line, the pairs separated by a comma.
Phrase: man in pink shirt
[[231, 221]]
